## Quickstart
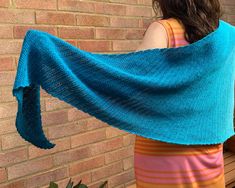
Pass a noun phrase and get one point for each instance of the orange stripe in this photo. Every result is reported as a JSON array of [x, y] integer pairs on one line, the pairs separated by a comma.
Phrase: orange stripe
[[168, 30], [173, 151], [175, 31], [178, 145], [153, 145], [140, 140], [159, 177], [165, 153], [172, 171], [157, 149]]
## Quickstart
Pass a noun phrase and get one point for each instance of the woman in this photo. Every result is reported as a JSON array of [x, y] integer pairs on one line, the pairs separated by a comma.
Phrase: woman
[[159, 164]]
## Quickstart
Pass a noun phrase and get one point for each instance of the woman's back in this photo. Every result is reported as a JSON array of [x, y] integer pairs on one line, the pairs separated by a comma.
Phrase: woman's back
[[166, 165]]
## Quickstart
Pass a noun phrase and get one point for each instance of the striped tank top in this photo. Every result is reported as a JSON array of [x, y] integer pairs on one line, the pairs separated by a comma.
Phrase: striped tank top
[[159, 164]]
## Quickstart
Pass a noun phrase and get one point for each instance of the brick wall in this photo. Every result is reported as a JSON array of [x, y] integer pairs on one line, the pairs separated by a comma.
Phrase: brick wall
[[86, 148], [229, 10]]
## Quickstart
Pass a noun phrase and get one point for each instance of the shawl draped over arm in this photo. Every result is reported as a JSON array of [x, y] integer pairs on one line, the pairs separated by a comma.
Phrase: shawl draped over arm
[[182, 95]]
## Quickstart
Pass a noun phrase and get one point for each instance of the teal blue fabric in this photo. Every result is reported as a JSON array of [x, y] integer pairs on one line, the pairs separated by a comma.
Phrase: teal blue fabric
[[182, 95]]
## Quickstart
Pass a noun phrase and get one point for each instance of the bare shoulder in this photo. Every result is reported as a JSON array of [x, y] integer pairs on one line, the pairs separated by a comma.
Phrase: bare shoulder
[[155, 37]]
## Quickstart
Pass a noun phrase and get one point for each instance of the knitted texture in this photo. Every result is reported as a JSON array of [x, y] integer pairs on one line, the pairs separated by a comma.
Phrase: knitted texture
[[182, 95]]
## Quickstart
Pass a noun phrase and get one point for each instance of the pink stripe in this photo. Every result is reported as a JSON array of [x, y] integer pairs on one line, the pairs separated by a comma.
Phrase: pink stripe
[[213, 162], [178, 179], [193, 162]]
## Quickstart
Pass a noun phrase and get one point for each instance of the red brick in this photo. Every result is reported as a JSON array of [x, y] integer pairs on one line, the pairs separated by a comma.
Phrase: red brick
[[139, 11], [14, 184], [10, 47], [7, 78], [125, 45], [8, 109], [7, 126], [35, 4], [94, 123], [44, 94], [20, 30], [78, 6], [99, 8], [85, 177], [76, 33], [54, 118], [135, 34], [97, 148], [12, 140], [107, 171], [61, 145], [90, 164], [121, 178], [3, 175], [17, 16], [75, 114], [73, 42], [29, 167], [115, 9], [231, 19], [7, 64], [108, 33], [67, 129], [6, 32], [6, 94], [113, 132], [128, 163], [114, 143], [105, 146], [131, 184], [55, 18], [129, 139], [98, 46], [90, 20], [87, 138], [42, 105], [229, 2], [55, 103], [145, 2], [45, 178], [72, 155], [119, 154], [10, 157], [129, 2], [124, 22], [4, 3], [145, 22]]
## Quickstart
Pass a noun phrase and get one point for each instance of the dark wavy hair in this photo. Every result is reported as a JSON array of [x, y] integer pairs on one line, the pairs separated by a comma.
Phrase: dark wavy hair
[[199, 17]]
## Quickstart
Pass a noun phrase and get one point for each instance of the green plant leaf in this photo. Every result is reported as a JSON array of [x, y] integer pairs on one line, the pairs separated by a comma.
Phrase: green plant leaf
[[81, 186], [70, 184], [78, 184], [53, 185], [103, 184]]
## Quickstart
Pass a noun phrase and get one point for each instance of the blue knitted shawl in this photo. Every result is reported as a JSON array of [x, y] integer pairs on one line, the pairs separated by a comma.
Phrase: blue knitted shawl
[[182, 95]]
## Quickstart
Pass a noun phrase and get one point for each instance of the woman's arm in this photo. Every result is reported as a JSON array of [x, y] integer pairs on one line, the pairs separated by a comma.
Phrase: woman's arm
[[155, 37]]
